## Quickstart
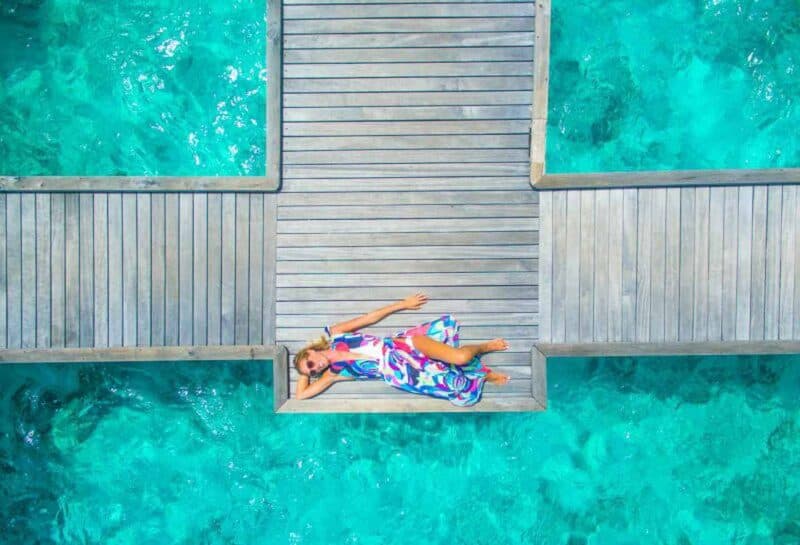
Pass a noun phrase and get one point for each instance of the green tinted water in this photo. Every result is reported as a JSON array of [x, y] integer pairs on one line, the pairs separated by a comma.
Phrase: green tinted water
[[141, 87], [674, 84], [674, 451]]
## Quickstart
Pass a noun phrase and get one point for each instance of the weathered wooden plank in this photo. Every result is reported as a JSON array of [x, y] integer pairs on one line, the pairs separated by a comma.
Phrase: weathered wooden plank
[[428, 54], [644, 231], [772, 279], [154, 354], [57, 270], [687, 268], [28, 267], [403, 70], [408, 25], [242, 277], [115, 270], [409, 266], [4, 287], [406, 128], [14, 267], [214, 277], [796, 250], [558, 309], [758, 265], [706, 348], [716, 237], [159, 267], [274, 107], [425, 10], [587, 266], [42, 270], [729, 263], [545, 272], [389, 170], [402, 225], [630, 202], [130, 290], [86, 269], [269, 273], [256, 268], [525, 200], [522, 251], [599, 290], [417, 142], [380, 187], [672, 261], [333, 2], [171, 270], [406, 84], [701, 226], [615, 237], [434, 306], [472, 333], [200, 269], [404, 320], [572, 267], [380, 292], [144, 223], [72, 269], [101, 260], [388, 278], [371, 210], [658, 255], [404, 156], [743, 263], [788, 264], [326, 242], [402, 113], [228, 272], [395, 40], [185, 266]]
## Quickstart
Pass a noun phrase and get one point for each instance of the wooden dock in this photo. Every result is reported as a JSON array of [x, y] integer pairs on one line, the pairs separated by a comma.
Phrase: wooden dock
[[407, 136]]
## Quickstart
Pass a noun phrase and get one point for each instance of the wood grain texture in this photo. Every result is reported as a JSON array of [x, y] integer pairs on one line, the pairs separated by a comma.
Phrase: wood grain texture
[[674, 265]]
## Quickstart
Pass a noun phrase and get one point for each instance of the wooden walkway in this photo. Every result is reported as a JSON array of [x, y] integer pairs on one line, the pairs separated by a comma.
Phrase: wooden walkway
[[406, 168], [671, 264], [406, 142]]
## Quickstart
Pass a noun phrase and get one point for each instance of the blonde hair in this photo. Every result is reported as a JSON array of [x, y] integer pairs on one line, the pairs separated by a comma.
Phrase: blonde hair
[[320, 344]]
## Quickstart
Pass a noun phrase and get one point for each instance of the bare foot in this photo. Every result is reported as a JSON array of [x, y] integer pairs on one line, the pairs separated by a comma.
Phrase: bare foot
[[497, 378], [495, 345]]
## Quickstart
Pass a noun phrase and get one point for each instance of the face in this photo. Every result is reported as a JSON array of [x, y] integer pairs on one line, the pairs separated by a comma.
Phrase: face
[[314, 364]]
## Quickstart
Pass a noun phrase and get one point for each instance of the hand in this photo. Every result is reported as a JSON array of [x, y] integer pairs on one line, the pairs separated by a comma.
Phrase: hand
[[415, 302]]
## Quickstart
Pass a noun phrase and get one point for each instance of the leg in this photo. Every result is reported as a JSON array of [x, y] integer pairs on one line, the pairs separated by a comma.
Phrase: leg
[[455, 356]]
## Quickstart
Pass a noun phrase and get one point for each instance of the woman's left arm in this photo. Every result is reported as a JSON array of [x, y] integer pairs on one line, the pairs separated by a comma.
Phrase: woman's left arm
[[413, 302]]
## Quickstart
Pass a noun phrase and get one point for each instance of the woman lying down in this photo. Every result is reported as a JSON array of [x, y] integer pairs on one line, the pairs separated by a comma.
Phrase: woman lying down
[[426, 359]]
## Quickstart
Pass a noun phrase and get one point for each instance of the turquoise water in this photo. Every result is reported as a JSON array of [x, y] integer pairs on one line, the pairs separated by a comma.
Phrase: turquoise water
[[675, 451], [674, 84], [140, 87]]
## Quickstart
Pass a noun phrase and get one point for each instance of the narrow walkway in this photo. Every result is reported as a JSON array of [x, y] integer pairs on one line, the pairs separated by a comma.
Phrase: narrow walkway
[[404, 176]]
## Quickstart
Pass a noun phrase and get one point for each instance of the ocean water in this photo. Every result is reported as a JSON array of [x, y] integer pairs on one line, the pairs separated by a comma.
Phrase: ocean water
[[674, 84], [132, 87], [661, 450]]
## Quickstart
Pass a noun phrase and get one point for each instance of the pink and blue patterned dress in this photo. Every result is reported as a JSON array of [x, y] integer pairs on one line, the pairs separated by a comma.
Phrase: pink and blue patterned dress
[[401, 365]]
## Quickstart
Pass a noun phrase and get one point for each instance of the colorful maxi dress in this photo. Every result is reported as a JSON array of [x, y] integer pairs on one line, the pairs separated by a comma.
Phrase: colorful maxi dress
[[401, 365]]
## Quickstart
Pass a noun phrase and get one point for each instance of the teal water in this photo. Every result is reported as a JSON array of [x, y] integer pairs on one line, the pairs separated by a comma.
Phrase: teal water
[[140, 87], [673, 451], [674, 84]]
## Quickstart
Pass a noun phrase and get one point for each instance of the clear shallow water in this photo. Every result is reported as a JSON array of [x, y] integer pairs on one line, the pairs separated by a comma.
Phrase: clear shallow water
[[674, 84], [677, 451], [142, 87]]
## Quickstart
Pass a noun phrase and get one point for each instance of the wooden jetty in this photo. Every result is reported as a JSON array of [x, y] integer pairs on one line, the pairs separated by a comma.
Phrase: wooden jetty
[[408, 137]]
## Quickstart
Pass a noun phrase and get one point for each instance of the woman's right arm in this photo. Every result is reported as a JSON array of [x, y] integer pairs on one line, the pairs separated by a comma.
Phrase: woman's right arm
[[306, 390]]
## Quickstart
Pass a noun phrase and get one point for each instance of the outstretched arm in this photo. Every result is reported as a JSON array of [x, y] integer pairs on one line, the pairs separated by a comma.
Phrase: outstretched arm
[[306, 390], [413, 302]]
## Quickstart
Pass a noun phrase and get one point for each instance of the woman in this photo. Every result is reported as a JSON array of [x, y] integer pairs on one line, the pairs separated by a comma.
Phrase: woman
[[425, 359]]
